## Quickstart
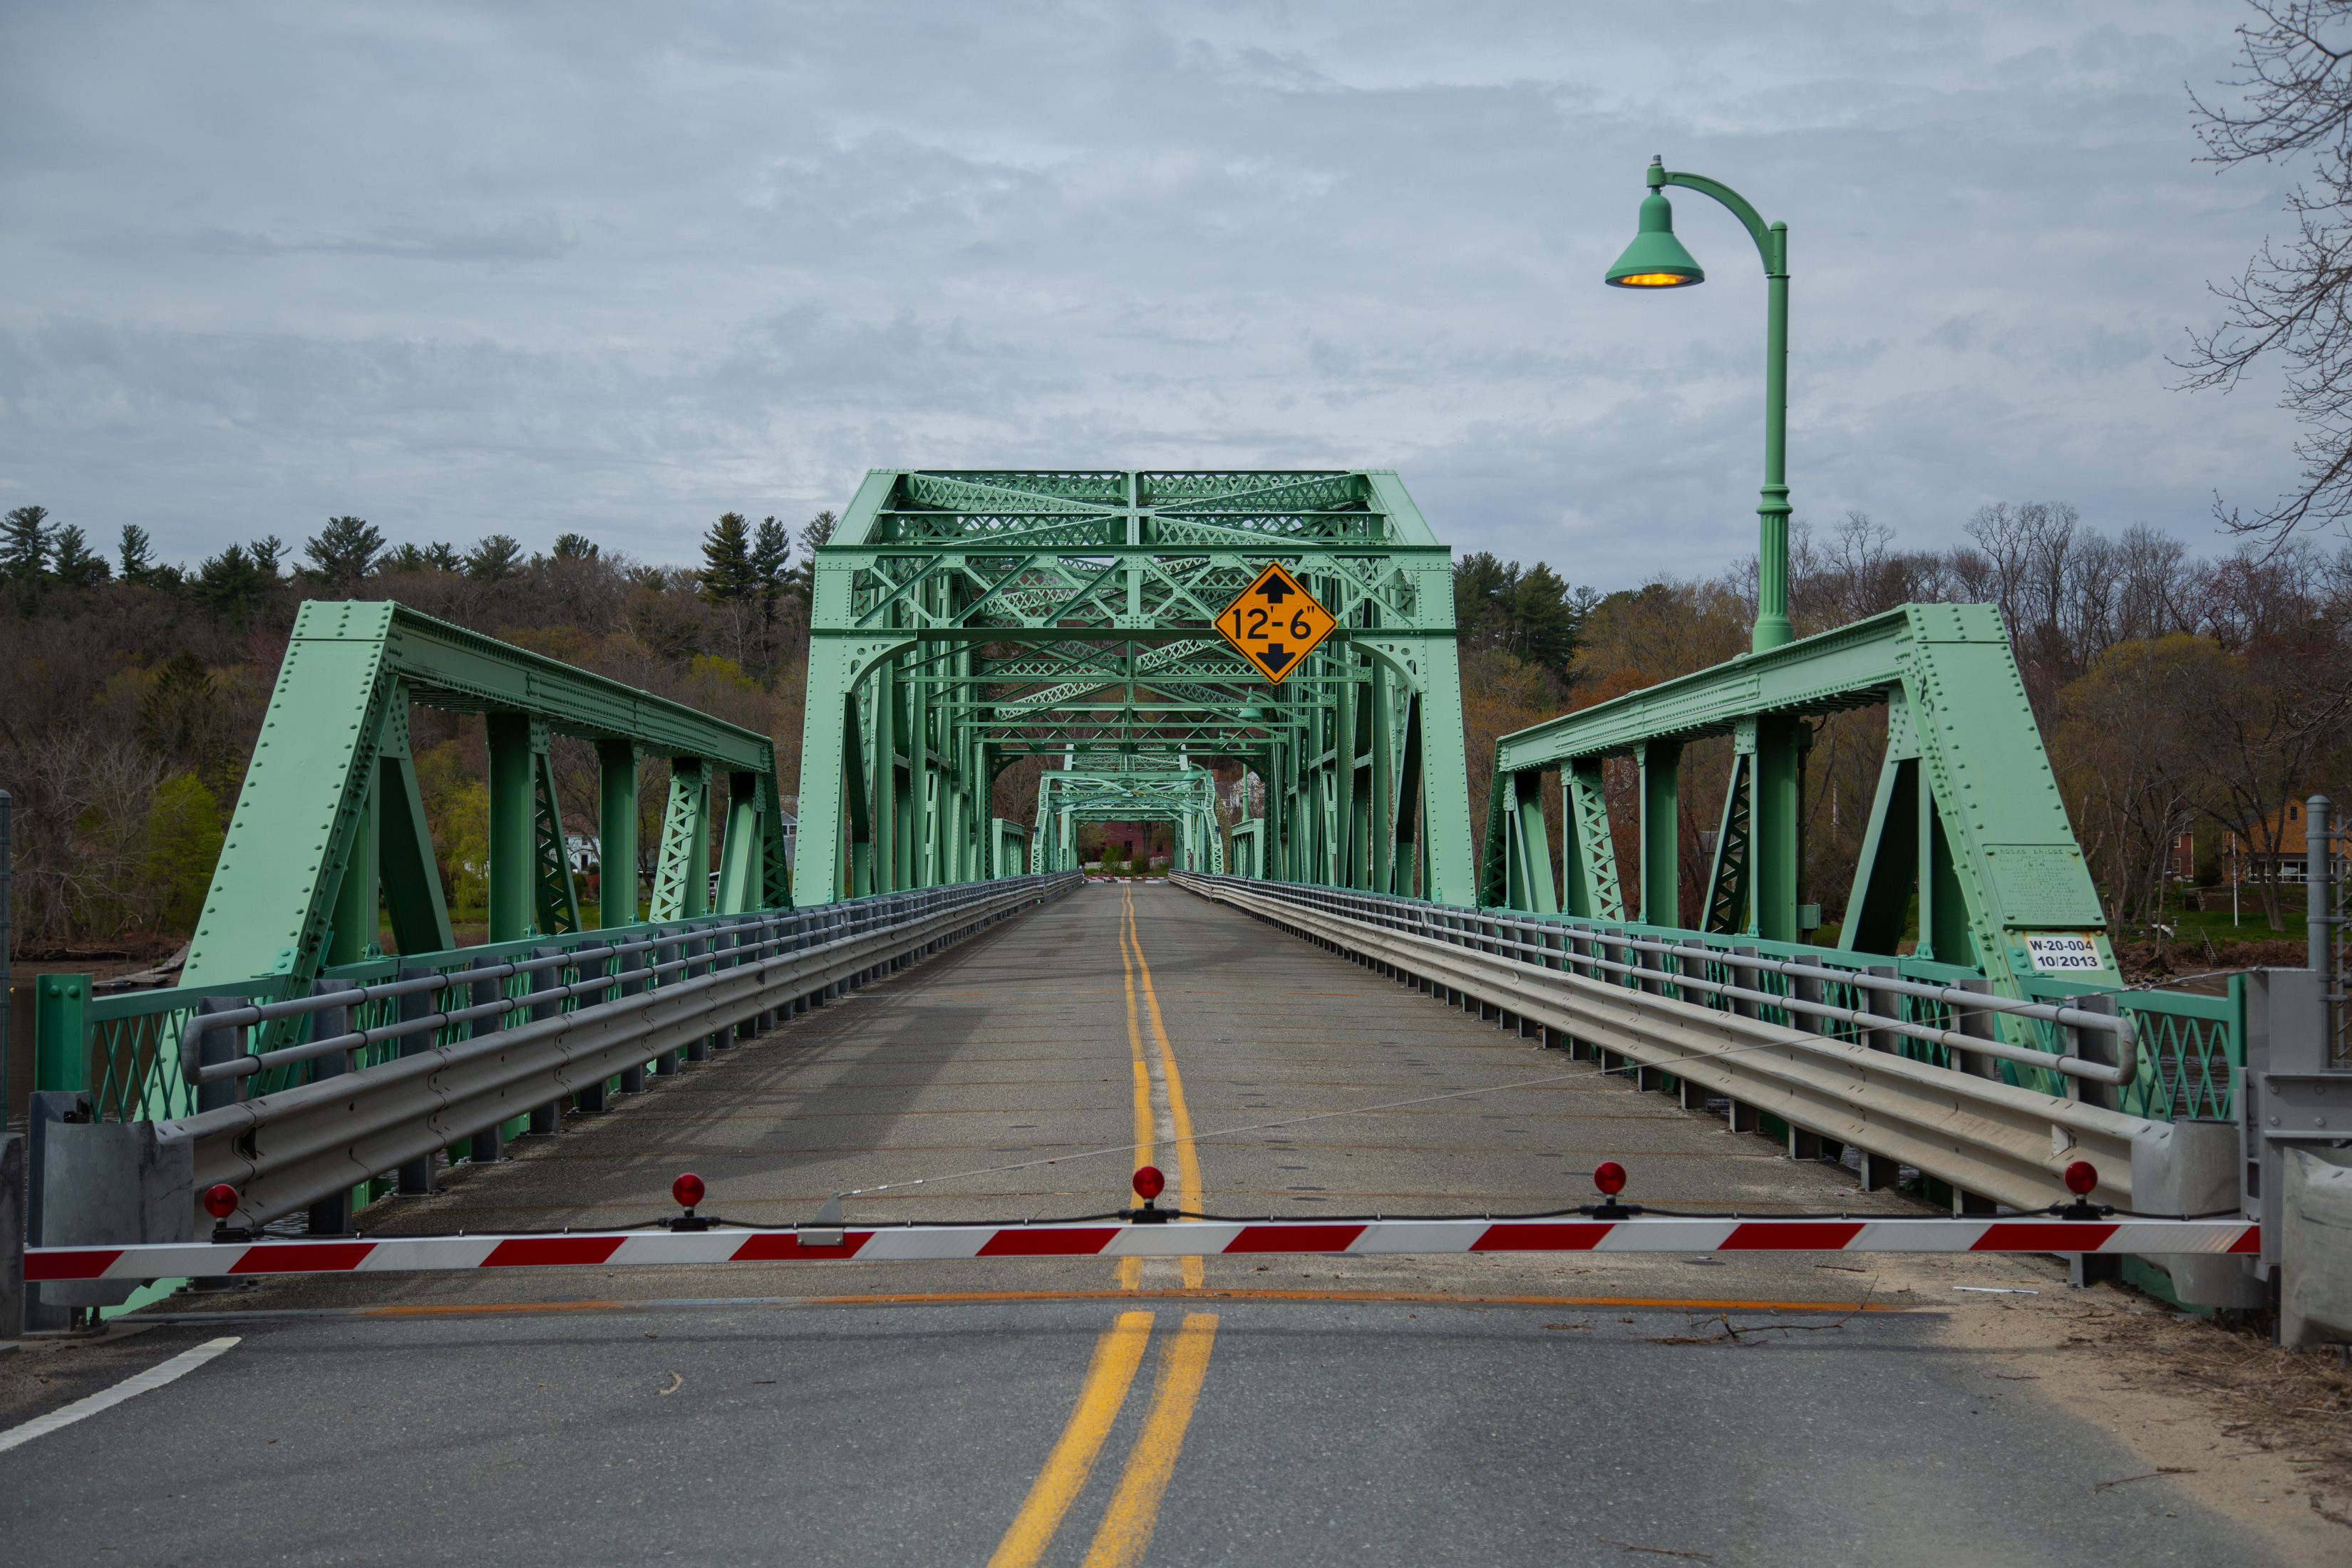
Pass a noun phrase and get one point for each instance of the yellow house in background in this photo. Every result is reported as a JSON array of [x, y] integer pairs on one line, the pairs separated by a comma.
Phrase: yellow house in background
[[2278, 847]]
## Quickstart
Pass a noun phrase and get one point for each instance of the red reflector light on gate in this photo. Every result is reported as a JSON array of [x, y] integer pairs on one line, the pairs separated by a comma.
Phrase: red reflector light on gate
[[2081, 1177], [1610, 1177], [1149, 1182], [220, 1200], [686, 1190]]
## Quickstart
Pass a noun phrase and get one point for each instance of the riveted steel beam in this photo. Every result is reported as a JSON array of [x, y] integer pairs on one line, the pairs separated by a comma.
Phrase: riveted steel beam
[[1967, 819], [962, 615], [331, 772]]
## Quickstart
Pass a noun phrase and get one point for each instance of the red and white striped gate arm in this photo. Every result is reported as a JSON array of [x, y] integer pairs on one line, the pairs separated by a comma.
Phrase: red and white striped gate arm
[[924, 1243]]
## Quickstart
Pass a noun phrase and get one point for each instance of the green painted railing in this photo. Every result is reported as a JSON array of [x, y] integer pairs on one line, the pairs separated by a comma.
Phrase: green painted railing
[[2190, 1044], [132, 1064]]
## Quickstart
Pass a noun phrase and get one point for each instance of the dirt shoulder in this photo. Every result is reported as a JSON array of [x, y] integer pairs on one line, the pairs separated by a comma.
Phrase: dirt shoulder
[[2256, 1433]]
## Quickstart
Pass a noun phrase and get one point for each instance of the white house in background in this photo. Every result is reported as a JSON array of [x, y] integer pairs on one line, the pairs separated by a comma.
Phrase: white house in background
[[585, 856]]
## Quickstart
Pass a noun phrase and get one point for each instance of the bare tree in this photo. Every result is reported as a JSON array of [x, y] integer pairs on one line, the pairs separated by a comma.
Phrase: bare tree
[[2291, 304], [2133, 777]]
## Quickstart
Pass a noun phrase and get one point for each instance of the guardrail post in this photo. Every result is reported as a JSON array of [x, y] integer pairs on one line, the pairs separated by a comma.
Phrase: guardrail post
[[214, 1046], [798, 929], [1979, 1023], [1881, 1004], [1646, 1078], [722, 956], [325, 1024], [488, 1146], [2095, 1045], [749, 935], [768, 928], [330, 1216], [1879, 1172], [1803, 1144], [633, 1079], [416, 1176], [546, 1121], [1805, 988], [1694, 953], [1740, 966], [819, 932], [692, 950], [666, 1064]]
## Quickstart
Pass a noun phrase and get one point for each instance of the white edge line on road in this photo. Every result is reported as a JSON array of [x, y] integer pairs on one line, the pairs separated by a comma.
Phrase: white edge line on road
[[153, 1377]]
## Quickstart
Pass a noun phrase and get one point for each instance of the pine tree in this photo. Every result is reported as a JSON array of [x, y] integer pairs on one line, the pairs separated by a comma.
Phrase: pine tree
[[727, 574], [77, 566], [136, 566], [340, 552], [817, 531], [183, 719], [24, 545], [771, 548], [494, 559], [574, 547], [234, 582]]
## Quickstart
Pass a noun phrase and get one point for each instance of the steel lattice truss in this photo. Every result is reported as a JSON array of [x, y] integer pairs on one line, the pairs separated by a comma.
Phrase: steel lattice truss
[[1967, 843], [961, 621], [331, 817], [1186, 797]]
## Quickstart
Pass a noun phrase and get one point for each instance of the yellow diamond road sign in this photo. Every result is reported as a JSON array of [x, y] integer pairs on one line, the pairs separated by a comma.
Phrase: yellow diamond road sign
[[1275, 623]]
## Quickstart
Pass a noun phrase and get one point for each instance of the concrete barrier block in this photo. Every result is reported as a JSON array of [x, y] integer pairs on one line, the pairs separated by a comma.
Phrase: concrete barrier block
[[2190, 1168], [95, 1184], [2316, 1252]]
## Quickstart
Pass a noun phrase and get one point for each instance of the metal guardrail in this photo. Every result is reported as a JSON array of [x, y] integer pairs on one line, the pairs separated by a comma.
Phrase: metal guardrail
[[738, 939], [1982, 1136], [1552, 945], [295, 1145]]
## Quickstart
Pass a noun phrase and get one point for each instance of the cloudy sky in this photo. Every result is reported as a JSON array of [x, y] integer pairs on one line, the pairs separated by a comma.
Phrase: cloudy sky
[[465, 268]]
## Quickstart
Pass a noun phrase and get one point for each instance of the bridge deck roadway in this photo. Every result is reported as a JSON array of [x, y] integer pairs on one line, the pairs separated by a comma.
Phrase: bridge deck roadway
[[1036, 1041], [1350, 1412]]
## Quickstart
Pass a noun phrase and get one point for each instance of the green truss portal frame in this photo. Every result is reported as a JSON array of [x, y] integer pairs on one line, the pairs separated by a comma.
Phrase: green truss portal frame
[[331, 813], [964, 620], [1966, 815], [1186, 797]]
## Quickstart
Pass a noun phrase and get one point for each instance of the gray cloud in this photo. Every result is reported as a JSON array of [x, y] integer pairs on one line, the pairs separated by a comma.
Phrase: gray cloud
[[617, 269]]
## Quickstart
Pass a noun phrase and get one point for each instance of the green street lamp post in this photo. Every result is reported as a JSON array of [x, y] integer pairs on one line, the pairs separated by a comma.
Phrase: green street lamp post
[[1657, 260]]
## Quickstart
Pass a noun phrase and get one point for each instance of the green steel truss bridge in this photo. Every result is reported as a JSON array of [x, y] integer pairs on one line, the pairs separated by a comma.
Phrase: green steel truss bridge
[[331, 819], [967, 622], [963, 621], [1182, 796], [1967, 834]]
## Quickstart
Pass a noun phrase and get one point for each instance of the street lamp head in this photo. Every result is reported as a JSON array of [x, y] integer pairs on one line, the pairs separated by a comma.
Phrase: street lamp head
[[1655, 260]]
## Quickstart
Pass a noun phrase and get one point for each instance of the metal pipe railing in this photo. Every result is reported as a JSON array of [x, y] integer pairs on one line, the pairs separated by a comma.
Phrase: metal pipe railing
[[1444, 923], [862, 919]]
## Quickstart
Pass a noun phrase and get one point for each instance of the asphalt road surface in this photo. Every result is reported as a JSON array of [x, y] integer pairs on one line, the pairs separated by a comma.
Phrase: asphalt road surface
[[1763, 1408]]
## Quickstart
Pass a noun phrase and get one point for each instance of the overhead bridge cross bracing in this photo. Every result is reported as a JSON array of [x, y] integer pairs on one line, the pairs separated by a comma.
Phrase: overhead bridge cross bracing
[[963, 621]]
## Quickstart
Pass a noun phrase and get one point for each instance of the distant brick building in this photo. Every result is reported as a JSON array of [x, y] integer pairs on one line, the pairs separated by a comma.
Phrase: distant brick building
[[1136, 840]]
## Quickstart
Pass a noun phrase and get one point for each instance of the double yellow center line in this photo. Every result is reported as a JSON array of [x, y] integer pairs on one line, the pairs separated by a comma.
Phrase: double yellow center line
[[1168, 1091], [1127, 1525], [1160, 1117]]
